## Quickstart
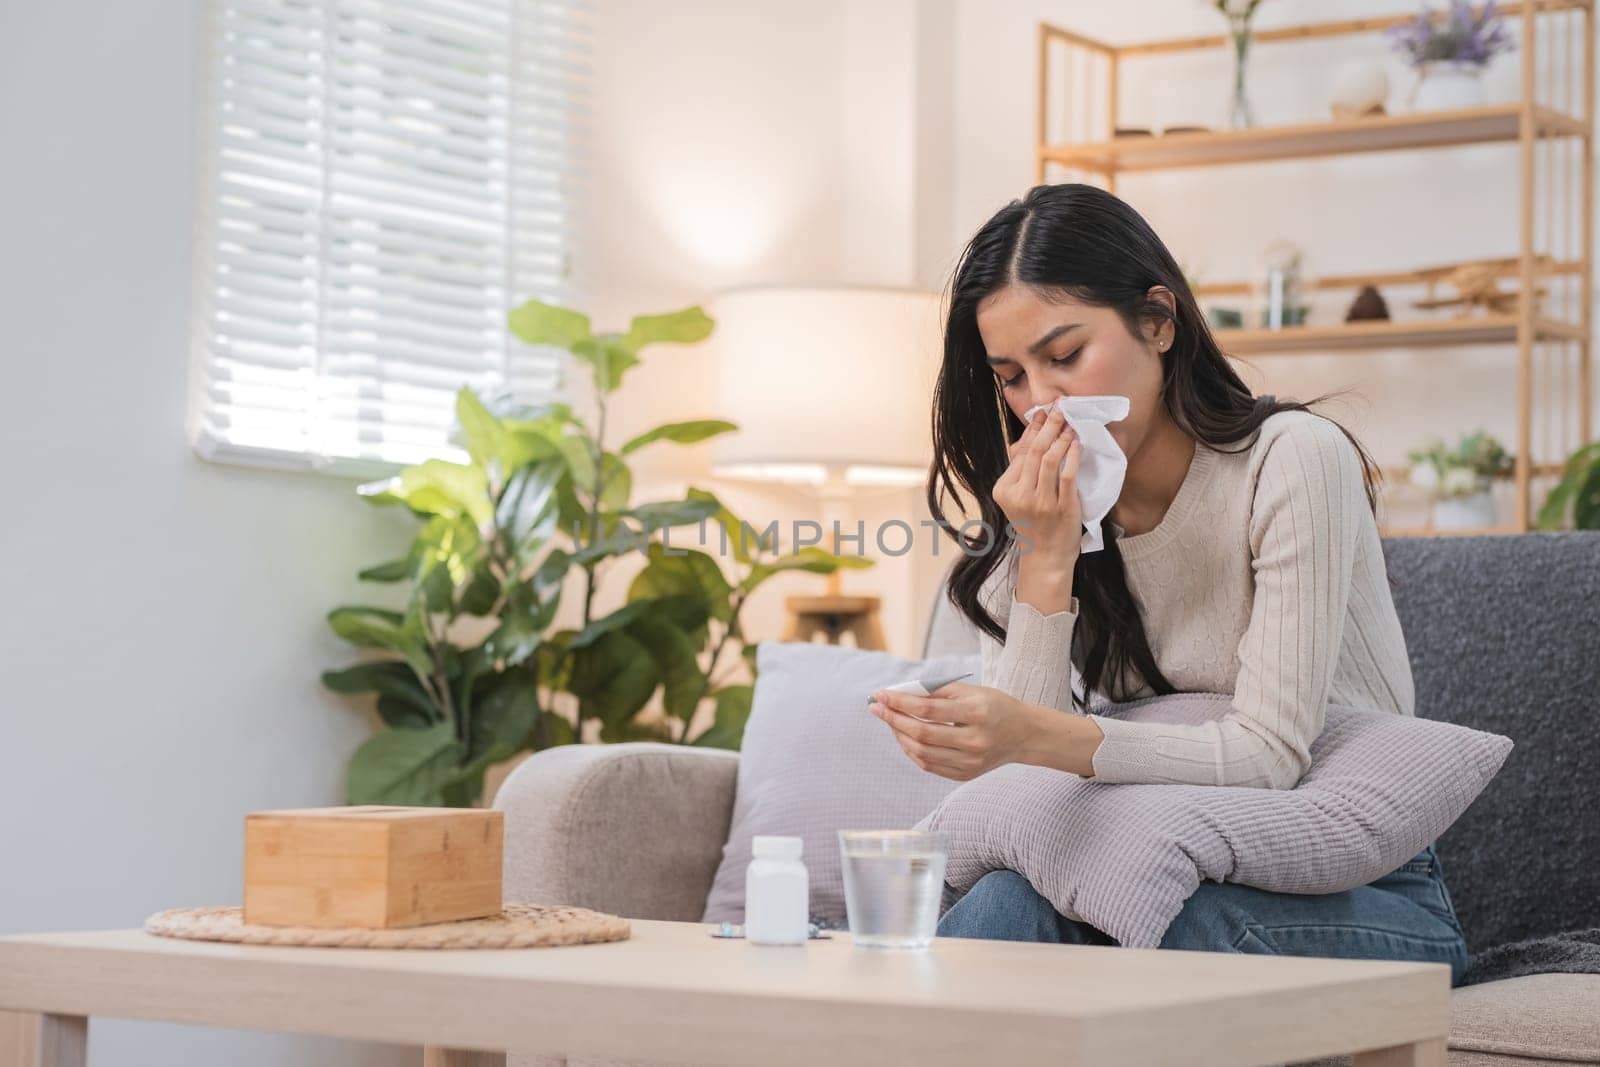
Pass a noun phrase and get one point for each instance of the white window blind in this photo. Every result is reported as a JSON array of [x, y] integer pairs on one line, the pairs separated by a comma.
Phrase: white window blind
[[382, 181]]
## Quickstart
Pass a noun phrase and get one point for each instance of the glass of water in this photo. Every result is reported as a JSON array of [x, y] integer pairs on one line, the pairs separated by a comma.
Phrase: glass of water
[[893, 882]]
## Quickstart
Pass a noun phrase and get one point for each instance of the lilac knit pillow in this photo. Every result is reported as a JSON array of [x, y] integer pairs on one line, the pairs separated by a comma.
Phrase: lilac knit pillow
[[1124, 857]]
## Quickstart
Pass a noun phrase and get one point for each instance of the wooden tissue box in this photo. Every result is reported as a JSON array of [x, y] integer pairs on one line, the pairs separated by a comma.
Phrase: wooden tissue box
[[371, 866]]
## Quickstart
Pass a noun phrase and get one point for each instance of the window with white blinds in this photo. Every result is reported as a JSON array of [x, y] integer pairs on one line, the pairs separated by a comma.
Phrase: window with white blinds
[[382, 181]]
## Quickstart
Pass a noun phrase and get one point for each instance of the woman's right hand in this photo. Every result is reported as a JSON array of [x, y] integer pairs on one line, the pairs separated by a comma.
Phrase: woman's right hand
[[1042, 505]]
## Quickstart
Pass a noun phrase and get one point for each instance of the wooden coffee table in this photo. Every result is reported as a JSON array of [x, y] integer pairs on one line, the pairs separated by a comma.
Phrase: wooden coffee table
[[672, 992]]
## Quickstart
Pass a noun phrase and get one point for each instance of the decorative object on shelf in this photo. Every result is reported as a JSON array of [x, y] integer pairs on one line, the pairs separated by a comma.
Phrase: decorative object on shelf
[[1224, 318], [1368, 306], [1577, 494], [1449, 50], [1283, 284], [1239, 13], [1133, 131], [471, 665], [1360, 89], [1477, 285], [1461, 479]]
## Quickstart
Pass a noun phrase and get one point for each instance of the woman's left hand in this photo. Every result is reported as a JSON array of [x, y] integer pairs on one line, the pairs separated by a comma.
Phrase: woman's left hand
[[990, 728]]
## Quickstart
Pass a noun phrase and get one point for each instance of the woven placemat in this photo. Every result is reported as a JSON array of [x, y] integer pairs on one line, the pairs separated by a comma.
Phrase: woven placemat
[[517, 926]]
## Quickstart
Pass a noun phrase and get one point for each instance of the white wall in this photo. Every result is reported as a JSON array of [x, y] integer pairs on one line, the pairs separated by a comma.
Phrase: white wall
[[163, 626]]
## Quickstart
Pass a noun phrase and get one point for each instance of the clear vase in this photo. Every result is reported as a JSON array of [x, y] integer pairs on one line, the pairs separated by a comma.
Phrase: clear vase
[[1240, 117]]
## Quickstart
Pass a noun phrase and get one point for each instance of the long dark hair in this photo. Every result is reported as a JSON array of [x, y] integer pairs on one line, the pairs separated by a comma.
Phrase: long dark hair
[[1084, 242]]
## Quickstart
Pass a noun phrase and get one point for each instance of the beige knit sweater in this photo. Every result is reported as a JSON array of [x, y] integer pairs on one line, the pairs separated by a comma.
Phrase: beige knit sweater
[[1265, 579]]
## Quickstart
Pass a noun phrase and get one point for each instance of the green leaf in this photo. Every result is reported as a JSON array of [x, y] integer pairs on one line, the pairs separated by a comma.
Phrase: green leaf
[[484, 436], [437, 487], [579, 453], [529, 508], [504, 718], [397, 570], [683, 683], [811, 558], [538, 323], [463, 789], [632, 730], [553, 664], [618, 482], [437, 588], [521, 630], [683, 433], [378, 628], [573, 517], [609, 356], [551, 573], [1575, 470], [556, 730], [681, 327], [390, 679], [615, 621], [498, 446], [740, 535], [688, 612], [482, 592], [685, 572], [400, 715], [663, 513], [403, 767], [733, 711], [1586, 502], [618, 537], [613, 677]]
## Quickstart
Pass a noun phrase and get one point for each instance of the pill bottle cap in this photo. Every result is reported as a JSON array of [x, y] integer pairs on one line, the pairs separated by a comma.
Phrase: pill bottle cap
[[774, 846]]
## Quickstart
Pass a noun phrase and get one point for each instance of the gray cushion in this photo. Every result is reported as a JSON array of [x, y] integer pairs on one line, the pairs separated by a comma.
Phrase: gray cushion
[[815, 761], [1125, 857]]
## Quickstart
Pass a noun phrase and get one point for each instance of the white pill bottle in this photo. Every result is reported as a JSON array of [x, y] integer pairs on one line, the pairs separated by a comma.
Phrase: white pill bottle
[[777, 892]]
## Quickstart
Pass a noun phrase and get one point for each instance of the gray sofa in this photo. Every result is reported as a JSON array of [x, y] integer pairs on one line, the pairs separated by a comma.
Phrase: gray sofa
[[1503, 635]]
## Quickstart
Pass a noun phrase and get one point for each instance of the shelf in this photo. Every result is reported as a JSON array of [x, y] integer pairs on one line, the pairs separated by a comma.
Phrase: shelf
[[1487, 329], [1381, 133]]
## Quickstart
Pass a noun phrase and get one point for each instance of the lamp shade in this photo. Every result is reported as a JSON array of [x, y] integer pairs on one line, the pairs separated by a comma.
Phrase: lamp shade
[[826, 383]]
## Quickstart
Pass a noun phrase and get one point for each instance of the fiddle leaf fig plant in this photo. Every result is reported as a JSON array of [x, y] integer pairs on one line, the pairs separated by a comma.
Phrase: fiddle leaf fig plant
[[468, 669]]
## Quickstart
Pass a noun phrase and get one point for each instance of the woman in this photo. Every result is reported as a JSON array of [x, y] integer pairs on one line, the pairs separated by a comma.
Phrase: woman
[[1242, 556]]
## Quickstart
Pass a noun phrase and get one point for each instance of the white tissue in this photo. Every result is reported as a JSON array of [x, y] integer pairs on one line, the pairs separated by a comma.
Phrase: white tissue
[[1101, 462]]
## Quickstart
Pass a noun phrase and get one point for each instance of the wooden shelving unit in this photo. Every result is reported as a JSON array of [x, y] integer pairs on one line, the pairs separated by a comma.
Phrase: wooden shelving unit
[[1552, 336], [1381, 133]]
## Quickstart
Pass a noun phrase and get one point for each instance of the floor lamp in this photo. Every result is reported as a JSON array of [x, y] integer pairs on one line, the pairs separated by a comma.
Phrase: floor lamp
[[832, 389]]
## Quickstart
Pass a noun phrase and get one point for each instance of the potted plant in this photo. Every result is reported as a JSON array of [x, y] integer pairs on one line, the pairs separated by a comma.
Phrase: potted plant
[[1461, 478], [467, 672], [1449, 50], [1577, 494]]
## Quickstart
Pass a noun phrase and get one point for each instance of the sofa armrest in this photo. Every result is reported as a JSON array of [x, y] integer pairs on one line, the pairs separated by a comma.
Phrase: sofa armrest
[[633, 829]]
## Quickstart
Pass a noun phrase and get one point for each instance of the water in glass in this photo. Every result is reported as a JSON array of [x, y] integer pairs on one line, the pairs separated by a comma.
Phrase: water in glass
[[893, 880]]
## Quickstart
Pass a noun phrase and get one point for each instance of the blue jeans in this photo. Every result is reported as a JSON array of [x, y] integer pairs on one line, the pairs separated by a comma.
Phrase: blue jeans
[[1405, 915]]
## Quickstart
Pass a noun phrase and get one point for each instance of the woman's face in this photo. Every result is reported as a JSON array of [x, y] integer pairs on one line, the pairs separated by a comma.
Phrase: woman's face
[[1041, 350]]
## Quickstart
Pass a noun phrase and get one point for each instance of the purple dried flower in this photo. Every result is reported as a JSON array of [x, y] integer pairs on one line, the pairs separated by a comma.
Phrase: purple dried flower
[[1457, 34]]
